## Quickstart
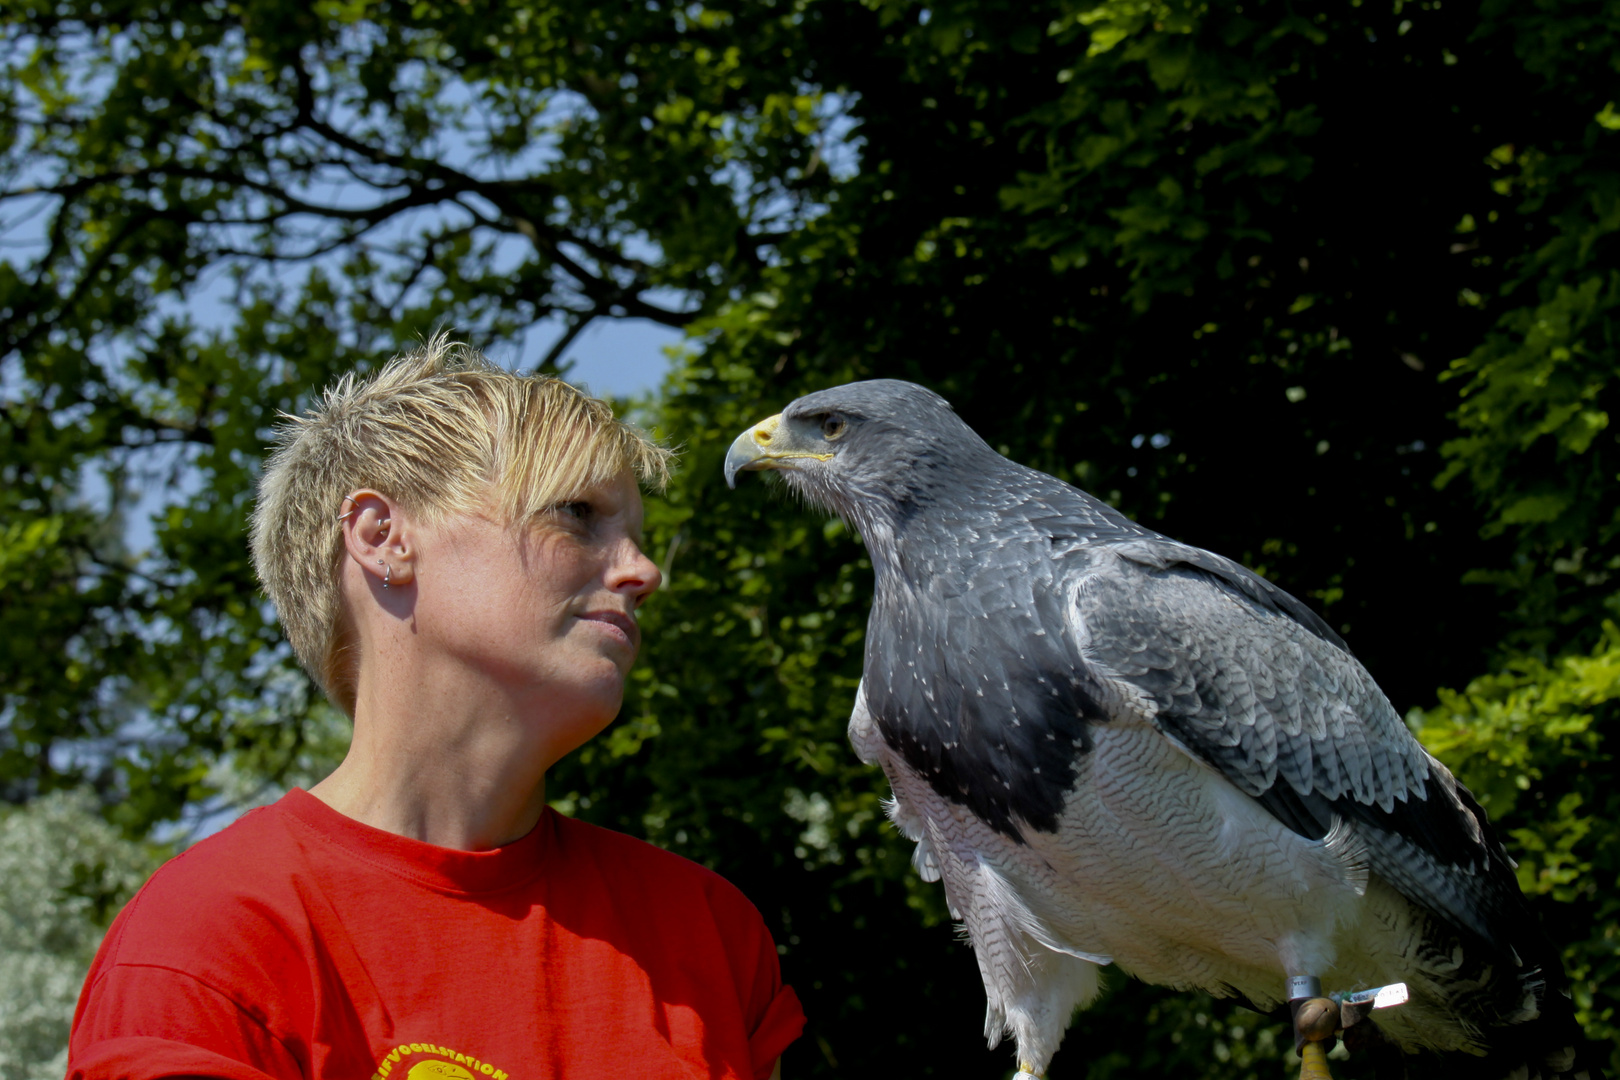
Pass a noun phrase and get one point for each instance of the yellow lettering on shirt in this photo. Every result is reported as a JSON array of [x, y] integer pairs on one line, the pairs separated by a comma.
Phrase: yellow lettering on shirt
[[444, 1064]]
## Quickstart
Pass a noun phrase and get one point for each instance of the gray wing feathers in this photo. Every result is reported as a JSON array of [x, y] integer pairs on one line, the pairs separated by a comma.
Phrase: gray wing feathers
[[1265, 697], [1160, 553], [1289, 717]]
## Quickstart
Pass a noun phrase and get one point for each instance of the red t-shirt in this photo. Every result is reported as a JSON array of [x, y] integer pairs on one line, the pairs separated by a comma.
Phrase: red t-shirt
[[300, 944]]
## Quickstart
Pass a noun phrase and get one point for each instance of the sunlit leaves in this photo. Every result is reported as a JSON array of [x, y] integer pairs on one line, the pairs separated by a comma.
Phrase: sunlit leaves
[[1535, 743], [66, 872]]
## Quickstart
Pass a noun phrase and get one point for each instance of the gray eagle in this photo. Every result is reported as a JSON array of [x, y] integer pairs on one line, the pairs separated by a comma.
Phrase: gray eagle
[[1115, 748]]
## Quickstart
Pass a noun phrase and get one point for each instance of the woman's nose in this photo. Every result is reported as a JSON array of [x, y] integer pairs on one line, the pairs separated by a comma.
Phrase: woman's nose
[[634, 573]]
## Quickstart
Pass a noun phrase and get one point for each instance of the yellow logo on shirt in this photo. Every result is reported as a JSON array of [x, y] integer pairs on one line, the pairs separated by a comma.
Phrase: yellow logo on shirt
[[437, 1070], [445, 1064]]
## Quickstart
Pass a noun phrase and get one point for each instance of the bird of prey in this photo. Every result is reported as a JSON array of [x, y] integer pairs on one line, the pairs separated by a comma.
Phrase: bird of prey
[[1115, 748]]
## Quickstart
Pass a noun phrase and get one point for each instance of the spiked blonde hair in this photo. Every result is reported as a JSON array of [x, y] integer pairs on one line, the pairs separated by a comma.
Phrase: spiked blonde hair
[[441, 430]]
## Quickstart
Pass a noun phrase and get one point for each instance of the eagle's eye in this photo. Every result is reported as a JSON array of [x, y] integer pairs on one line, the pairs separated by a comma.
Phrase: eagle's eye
[[832, 427]]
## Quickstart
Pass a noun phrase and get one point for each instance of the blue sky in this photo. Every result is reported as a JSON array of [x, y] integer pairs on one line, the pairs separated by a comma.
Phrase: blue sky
[[611, 357]]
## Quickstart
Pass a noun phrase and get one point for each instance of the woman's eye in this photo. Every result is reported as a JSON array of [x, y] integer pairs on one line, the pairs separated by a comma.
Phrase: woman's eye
[[832, 427], [579, 511]]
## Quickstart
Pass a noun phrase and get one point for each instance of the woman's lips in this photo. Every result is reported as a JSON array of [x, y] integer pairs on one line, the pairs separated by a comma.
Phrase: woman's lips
[[622, 625]]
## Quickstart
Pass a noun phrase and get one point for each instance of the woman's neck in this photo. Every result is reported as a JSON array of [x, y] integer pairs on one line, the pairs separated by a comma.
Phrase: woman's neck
[[435, 760]]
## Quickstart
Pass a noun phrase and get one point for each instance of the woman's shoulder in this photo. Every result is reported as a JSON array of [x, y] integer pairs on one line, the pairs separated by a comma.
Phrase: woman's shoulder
[[241, 857], [220, 932], [632, 863], [238, 882]]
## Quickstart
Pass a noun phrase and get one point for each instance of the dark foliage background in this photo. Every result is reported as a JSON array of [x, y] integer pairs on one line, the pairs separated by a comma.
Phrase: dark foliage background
[[1327, 288]]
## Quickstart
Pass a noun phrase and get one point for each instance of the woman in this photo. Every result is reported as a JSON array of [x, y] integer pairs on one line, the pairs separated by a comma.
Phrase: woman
[[454, 553]]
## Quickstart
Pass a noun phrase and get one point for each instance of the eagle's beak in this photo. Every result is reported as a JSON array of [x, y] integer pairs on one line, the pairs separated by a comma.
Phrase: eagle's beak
[[770, 444]]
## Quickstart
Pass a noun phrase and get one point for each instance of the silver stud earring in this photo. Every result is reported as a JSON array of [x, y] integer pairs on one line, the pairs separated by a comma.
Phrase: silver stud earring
[[388, 572]]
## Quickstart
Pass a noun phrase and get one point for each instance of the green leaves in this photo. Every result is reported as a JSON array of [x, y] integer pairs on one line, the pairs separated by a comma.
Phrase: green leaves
[[67, 872], [1537, 391], [226, 206], [1535, 742], [1537, 394], [1142, 151], [1208, 263]]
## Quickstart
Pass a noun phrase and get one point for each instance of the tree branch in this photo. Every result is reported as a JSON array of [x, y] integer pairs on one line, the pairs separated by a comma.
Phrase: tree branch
[[579, 322]]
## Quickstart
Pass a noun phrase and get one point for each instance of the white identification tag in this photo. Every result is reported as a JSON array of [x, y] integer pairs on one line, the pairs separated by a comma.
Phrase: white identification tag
[[1379, 998], [1393, 994]]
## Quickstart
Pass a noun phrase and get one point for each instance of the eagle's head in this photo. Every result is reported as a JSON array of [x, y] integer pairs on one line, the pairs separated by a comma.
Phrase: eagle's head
[[864, 450]]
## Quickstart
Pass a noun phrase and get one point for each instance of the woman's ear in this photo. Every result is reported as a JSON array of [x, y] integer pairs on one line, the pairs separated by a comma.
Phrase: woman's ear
[[377, 536]]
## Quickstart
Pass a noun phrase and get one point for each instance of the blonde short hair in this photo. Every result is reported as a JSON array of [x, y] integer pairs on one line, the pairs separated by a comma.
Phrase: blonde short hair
[[441, 430]]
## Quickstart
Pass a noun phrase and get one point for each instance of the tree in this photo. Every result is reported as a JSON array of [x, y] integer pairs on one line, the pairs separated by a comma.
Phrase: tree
[[1536, 738], [342, 179], [67, 872], [1210, 263]]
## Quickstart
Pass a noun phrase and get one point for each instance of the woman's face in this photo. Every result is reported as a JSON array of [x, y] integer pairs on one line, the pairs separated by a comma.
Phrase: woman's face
[[546, 610]]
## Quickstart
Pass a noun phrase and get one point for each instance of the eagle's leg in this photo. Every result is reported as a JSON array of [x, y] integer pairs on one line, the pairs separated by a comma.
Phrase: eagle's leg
[[1034, 998], [1316, 1022], [1031, 988]]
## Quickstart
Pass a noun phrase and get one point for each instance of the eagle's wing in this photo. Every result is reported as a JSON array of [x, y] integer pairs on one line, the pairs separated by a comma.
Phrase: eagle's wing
[[1248, 680]]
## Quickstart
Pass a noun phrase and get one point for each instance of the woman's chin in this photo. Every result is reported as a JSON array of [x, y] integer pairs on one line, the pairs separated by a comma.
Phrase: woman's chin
[[590, 713], [580, 731]]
